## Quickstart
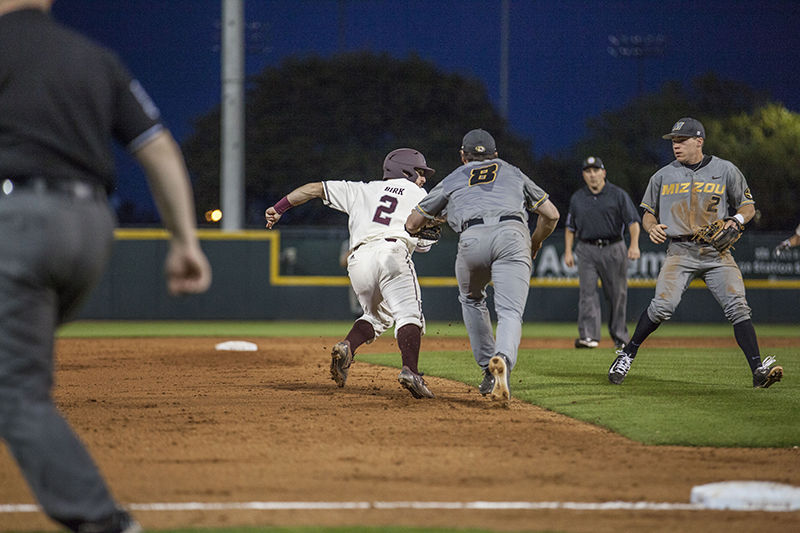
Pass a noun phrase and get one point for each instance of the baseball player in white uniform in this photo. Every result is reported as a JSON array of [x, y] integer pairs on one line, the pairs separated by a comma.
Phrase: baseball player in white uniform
[[379, 264]]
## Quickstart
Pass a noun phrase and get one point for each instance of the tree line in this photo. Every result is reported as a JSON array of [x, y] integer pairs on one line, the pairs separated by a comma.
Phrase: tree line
[[313, 118]]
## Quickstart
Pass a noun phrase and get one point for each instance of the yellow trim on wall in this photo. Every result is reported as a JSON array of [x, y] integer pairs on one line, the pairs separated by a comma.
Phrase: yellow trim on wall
[[275, 278]]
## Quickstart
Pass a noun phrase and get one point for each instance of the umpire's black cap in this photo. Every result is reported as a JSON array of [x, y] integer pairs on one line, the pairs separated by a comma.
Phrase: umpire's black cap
[[478, 142], [592, 161], [686, 127]]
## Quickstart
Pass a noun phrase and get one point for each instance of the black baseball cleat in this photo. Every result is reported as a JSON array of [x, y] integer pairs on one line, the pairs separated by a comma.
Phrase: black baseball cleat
[[619, 368], [764, 376], [341, 359], [487, 384], [119, 522]]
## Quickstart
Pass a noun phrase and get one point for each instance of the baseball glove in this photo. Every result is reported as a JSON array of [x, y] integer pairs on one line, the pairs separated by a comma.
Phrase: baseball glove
[[428, 233], [721, 239], [431, 231], [782, 247]]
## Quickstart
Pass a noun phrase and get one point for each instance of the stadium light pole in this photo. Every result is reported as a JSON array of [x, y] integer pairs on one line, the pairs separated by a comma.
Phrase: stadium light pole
[[232, 126], [504, 31], [638, 47]]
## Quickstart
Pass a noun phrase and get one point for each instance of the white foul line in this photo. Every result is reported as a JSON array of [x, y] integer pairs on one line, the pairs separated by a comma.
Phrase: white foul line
[[476, 505]]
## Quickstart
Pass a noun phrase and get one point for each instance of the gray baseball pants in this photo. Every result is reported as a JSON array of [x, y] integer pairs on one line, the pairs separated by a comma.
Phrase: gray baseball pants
[[500, 253], [610, 265], [688, 260], [53, 249]]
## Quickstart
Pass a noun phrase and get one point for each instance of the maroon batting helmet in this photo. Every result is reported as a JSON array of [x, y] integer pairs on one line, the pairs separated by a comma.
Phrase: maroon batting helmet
[[402, 163]]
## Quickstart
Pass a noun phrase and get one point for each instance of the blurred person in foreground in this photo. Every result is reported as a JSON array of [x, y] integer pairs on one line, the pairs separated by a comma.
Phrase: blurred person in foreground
[[63, 99]]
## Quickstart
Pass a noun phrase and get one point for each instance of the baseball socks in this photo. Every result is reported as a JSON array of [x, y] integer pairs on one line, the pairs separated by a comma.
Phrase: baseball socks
[[644, 328], [408, 340], [361, 332], [745, 335]]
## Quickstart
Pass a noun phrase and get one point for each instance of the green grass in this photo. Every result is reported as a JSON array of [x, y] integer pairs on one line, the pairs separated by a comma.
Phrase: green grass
[[199, 328], [344, 529], [348, 529], [679, 396], [675, 396]]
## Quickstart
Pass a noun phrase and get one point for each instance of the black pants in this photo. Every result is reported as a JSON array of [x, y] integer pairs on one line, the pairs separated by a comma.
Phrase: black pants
[[609, 264]]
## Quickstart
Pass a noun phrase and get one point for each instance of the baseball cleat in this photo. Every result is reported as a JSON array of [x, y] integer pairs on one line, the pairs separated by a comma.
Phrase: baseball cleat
[[501, 392], [620, 367], [414, 383], [586, 343], [764, 376], [341, 359], [487, 384]]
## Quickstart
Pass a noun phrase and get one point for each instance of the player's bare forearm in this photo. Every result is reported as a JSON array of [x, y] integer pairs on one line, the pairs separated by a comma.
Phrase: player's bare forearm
[[415, 221], [169, 183], [299, 196], [656, 231], [633, 249], [187, 268], [306, 192], [743, 215], [545, 225], [569, 240]]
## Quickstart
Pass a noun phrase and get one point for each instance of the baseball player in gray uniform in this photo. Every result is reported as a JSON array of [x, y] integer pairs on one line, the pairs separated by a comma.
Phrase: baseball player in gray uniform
[[379, 265], [791, 242], [692, 191], [485, 201]]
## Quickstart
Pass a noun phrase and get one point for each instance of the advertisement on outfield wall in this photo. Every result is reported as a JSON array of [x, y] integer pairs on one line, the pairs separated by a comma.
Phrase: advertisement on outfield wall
[[754, 260]]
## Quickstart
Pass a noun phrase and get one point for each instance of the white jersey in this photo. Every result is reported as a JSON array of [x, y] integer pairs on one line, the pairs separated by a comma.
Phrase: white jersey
[[377, 209], [379, 265]]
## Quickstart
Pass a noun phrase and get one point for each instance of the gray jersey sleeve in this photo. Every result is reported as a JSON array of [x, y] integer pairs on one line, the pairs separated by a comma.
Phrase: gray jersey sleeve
[[736, 185], [434, 203], [482, 189], [651, 195]]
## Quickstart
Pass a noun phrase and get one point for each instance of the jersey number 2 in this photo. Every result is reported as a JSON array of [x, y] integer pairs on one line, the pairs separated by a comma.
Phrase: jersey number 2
[[387, 207]]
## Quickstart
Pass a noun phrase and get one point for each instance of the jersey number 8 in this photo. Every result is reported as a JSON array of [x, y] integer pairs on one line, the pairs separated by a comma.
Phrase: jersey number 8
[[482, 175]]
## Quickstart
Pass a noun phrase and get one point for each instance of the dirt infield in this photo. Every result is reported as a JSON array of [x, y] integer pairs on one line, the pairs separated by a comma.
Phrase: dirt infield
[[174, 420]]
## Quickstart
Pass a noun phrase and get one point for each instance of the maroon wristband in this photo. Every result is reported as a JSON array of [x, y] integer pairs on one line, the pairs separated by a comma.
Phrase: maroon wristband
[[282, 206]]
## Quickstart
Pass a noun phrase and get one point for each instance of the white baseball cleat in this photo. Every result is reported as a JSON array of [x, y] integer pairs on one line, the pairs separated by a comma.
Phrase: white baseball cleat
[[501, 392]]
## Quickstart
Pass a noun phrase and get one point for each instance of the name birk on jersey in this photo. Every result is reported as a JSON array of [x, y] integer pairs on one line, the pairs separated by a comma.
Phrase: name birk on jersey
[[394, 190], [699, 187]]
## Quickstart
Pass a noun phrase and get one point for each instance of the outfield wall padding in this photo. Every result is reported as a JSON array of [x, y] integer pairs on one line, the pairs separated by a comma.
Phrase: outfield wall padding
[[295, 275]]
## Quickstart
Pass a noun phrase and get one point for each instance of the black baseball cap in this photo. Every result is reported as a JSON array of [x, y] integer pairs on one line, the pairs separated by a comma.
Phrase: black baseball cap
[[686, 127], [478, 142], [592, 161]]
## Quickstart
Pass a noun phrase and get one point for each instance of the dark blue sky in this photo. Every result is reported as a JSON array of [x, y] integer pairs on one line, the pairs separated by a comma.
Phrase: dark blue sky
[[561, 71]]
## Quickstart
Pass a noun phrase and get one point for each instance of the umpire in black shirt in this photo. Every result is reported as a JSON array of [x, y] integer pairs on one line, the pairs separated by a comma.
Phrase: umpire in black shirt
[[598, 215], [63, 99]]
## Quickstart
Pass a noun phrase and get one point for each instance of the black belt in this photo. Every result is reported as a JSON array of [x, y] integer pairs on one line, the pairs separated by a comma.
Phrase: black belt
[[601, 242], [79, 189], [476, 221], [682, 238], [388, 239]]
